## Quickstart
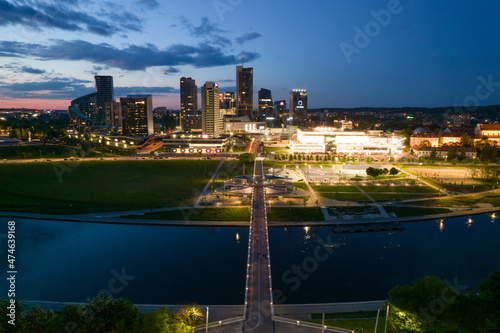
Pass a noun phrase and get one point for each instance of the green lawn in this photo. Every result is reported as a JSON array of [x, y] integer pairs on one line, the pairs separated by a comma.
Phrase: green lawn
[[51, 151], [232, 169], [399, 189], [414, 211], [301, 185], [278, 164], [468, 201], [285, 214], [359, 197], [276, 150], [335, 188], [207, 214], [398, 196], [95, 186]]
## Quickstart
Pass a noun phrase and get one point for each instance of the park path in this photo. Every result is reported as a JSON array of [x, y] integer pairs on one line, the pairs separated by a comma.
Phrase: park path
[[424, 181], [205, 189]]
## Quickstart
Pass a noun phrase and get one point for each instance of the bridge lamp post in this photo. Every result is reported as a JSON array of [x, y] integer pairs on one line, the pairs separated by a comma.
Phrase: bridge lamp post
[[206, 322]]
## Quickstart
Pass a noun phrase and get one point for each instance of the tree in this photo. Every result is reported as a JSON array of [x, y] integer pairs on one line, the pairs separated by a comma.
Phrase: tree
[[433, 153], [487, 149], [407, 134], [425, 143], [424, 304], [37, 320], [469, 312], [489, 290], [290, 158], [452, 154], [188, 314], [465, 140], [246, 158], [393, 171]]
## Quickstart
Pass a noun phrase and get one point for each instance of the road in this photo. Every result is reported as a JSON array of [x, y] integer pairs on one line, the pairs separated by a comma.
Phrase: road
[[258, 295]]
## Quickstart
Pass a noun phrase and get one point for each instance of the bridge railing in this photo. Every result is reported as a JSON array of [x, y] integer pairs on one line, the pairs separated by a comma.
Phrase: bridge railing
[[248, 256], [220, 323], [268, 254], [325, 328]]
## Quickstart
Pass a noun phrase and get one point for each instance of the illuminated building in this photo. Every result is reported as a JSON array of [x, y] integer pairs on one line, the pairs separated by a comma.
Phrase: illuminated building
[[191, 122], [327, 139], [244, 91], [83, 111], [189, 96], [210, 111], [227, 103], [298, 107], [105, 95], [266, 110], [281, 114], [137, 115]]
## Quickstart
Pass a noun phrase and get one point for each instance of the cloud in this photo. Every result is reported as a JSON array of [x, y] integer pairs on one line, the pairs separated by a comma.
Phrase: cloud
[[69, 89], [248, 36], [59, 16], [57, 88], [132, 57], [149, 4], [124, 91], [16, 67], [207, 30], [171, 70], [31, 70]]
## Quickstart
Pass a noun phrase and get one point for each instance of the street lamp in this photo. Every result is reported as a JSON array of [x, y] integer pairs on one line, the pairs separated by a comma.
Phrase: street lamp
[[206, 322]]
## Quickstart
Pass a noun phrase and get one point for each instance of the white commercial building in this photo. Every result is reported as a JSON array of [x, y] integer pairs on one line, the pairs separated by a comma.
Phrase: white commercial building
[[328, 139]]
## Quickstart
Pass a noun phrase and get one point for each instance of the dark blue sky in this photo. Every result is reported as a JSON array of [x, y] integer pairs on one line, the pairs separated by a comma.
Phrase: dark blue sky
[[345, 53]]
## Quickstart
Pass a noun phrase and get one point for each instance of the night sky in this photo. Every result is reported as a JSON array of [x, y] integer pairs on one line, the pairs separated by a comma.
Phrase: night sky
[[345, 53]]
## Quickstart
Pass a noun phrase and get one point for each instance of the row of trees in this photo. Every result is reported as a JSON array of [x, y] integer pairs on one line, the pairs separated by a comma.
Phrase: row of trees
[[431, 304], [375, 172], [101, 314]]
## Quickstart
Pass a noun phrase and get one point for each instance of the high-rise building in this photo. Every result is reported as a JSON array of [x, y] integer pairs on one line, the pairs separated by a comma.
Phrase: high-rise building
[[298, 106], [191, 122], [210, 111], [244, 91], [189, 96], [227, 103], [280, 111], [137, 115], [83, 111], [113, 114], [105, 94], [265, 105]]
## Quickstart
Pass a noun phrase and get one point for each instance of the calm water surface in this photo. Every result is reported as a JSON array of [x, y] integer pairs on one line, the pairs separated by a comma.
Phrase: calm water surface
[[59, 261]]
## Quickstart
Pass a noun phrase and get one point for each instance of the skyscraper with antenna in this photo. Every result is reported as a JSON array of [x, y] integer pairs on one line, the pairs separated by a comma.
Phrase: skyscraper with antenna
[[244, 90]]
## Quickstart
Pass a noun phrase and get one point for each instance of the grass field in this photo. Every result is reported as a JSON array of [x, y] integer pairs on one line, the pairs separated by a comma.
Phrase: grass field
[[207, 214], [55, 151], [358, 197], [233, 168], [398, 196], [467, 201], [96, 186], [301, 185], [278, 164], [285, 214], [276, 150], [414, 211], [335, 188], [399, 189]]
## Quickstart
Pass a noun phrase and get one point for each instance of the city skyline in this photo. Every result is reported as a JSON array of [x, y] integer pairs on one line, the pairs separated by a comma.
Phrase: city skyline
[[382, 53]]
